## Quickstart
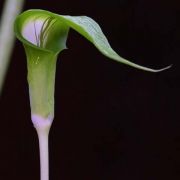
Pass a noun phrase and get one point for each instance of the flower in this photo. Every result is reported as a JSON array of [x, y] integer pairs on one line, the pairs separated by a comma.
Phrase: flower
[[44, 36]]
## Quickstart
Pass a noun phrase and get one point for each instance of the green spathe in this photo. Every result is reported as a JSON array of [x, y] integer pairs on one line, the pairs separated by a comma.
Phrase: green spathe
[[44, 35], [41, 79]]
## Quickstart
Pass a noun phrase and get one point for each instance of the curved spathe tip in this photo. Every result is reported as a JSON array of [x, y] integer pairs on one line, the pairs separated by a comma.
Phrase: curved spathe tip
[[48, 31]]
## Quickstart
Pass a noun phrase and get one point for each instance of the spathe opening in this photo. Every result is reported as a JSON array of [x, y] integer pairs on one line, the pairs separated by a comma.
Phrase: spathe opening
[[42, 31]]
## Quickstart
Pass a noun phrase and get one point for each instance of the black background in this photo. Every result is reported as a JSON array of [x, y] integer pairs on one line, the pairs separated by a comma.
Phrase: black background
[[111, 121]]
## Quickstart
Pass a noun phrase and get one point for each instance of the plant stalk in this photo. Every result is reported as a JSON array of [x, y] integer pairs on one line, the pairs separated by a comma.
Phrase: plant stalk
[[42, 126], [10, 10]]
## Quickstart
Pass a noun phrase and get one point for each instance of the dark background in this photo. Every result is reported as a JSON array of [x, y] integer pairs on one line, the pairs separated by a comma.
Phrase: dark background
[[112, 122]]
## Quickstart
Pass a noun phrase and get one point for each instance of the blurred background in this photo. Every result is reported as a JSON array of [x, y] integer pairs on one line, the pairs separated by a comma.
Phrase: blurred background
[[112, 122]]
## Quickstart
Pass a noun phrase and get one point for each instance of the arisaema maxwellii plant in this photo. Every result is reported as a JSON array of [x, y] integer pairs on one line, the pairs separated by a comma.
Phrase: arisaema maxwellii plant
[[44, 36]]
